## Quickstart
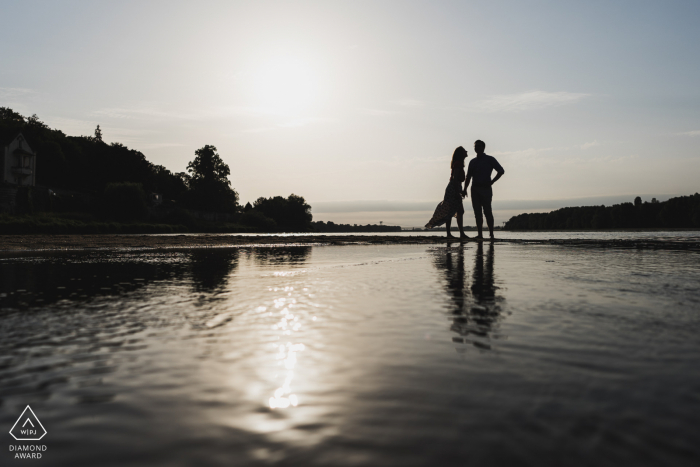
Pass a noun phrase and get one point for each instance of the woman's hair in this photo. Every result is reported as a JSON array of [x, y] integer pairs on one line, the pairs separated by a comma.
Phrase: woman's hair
[[458, 157]]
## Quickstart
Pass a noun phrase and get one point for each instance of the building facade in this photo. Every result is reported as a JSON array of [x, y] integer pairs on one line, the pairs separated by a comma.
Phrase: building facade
[[17, 170]]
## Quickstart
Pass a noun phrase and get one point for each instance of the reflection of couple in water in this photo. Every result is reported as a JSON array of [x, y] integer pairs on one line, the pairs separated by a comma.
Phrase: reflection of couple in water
[[474, 315], [480, 169]]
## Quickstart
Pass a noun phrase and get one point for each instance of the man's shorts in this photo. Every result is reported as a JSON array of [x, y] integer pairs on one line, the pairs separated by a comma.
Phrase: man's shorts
[[481, 199]]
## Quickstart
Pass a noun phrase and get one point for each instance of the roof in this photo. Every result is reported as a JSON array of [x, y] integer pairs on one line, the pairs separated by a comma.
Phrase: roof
[[26, 144]]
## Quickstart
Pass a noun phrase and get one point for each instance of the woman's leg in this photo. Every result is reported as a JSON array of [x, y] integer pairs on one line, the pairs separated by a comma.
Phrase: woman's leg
[[448, 226], [460, 222]]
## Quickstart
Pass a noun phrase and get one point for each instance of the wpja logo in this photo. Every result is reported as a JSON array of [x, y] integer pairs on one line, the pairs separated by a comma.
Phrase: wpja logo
[[28, 428]]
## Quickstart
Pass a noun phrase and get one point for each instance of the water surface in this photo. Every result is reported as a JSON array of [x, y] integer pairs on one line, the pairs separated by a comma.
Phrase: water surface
[[498, 354]]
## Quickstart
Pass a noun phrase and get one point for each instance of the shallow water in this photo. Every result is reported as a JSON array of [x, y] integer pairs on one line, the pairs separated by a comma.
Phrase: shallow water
[[498, 354], [661, 235]]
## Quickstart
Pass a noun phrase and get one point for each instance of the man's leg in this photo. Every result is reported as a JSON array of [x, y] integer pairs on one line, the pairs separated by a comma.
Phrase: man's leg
[[489, 216], [476, 205]]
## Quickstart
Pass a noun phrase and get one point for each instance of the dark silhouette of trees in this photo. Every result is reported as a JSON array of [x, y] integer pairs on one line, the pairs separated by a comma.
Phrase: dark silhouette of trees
[[117, 179], [210, 188], [258, 220], [98, 135], [680, 212], [85, 163], [292, 214], [330, 226], [125, 201]]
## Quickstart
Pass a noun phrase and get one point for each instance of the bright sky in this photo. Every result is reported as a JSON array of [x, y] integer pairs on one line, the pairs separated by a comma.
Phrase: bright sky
[[357, 106]]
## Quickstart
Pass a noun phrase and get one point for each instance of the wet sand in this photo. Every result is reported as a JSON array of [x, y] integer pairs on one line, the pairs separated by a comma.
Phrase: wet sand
[[28, 243]]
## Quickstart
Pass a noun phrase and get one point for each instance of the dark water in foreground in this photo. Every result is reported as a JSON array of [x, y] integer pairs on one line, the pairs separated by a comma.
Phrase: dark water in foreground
[[355, 355]]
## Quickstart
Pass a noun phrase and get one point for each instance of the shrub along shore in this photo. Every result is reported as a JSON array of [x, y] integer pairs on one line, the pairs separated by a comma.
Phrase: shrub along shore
[[45, 223]]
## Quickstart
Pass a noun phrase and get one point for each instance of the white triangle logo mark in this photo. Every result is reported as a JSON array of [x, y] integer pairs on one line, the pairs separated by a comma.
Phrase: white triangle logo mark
[[33, 432]]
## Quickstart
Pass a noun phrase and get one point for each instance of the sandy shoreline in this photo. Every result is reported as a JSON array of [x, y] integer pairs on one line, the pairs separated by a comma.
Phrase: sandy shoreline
[[28, 243]]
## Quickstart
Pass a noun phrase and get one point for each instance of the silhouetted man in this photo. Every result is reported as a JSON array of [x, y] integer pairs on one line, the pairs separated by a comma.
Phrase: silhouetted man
[[480, 169]]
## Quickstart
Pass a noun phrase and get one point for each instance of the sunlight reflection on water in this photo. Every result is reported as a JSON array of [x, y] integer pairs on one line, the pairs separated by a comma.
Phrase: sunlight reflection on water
[[372, 355]]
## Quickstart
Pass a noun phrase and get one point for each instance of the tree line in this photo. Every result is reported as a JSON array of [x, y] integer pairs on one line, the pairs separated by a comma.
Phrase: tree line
[[679, 212], [117, 181], [330, 226]]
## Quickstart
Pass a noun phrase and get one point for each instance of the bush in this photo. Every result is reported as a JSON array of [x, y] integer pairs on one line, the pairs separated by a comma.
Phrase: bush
[[258, 220], [292, 214], [125, 201]]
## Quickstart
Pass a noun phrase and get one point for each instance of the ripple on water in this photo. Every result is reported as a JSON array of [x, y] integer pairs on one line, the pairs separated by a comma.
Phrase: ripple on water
[[369, 354]]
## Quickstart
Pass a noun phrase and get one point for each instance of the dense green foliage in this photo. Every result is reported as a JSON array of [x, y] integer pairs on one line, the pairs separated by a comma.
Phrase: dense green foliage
[[53, 224], [210, 188], [86, 163], [126, 201], [329, 226], [680, 212], [292, 214], [97, 181], [259, 221]]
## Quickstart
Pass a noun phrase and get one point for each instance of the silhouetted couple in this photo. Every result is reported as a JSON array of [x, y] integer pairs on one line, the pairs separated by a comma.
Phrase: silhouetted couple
[[480, 169]]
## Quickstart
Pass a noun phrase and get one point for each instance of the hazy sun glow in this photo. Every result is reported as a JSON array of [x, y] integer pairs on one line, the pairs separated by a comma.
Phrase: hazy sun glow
[[286, 86]]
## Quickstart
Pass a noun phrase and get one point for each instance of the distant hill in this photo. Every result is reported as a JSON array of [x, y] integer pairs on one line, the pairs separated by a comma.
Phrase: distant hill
[[680, 212]]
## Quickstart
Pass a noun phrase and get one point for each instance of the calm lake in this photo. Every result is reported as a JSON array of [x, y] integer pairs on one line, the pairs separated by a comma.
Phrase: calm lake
[[405, 355]]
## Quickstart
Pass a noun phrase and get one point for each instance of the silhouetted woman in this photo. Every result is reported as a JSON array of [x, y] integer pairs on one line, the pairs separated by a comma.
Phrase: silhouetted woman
[[451, 205]]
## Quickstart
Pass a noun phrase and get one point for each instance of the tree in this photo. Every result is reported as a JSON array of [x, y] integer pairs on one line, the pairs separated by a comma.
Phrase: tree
[[210, 188], [125, 201], [98, 135], [7, 114], [86, 164], [34, 121], [292, 214]]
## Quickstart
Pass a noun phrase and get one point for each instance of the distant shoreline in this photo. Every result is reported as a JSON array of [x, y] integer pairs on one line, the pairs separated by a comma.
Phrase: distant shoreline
[[13, 244], [631, 229]]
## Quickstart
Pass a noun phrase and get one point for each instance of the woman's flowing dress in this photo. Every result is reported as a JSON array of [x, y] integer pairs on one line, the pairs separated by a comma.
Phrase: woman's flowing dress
[[451, 205]]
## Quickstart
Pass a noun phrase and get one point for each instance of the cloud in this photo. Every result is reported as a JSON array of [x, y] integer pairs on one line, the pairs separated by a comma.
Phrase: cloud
[[410, 102], [294, 123], [297, 122], [163, 145], [690, 133], [14, 93], [259, 130], [71, 126], [142, 113], [379, 112], [531, 100], [153, 112], [567, 156], [528, 153]]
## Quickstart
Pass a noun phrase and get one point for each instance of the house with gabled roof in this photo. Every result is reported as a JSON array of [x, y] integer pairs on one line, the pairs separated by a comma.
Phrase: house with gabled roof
[[19, 163], [17, 170]]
